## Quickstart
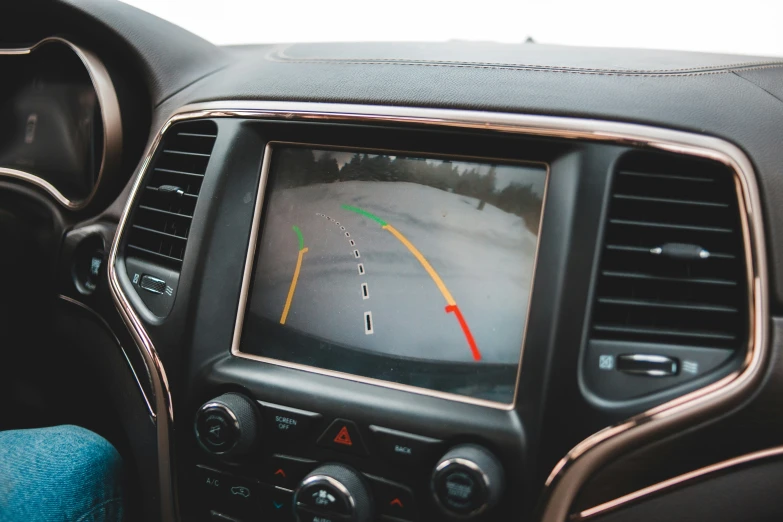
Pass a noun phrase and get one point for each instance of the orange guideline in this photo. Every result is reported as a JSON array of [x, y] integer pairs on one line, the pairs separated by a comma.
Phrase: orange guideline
[[451, 304], [292, 288]]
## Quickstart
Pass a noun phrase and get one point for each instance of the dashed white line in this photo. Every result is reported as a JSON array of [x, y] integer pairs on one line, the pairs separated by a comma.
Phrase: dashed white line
[[352, 242], [361, 268], [368, 326], [365, 291], [347, 234], [356, 254]]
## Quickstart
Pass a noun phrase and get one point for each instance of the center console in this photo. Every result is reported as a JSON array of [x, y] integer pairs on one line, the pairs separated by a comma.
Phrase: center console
[[370, 317], [464, 482]]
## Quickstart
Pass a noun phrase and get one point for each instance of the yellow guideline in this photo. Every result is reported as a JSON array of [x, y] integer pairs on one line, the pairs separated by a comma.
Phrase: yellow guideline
[[292, 289], [431, 271]]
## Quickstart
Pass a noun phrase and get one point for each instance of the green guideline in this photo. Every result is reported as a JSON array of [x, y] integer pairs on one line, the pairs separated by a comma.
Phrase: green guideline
[[299, 235], [364, 213]]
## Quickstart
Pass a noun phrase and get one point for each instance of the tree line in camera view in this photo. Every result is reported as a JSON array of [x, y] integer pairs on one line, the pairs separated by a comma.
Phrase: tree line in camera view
[[301, 167]]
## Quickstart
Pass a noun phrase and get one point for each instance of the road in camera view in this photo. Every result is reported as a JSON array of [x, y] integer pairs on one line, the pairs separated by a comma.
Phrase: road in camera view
[[328, 267]]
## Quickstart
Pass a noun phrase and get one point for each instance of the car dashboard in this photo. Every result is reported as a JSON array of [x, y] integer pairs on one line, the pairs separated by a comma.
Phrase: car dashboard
[[394, 282]]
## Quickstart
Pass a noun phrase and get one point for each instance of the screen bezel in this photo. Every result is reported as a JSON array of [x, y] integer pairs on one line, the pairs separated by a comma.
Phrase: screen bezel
[[253, 245]]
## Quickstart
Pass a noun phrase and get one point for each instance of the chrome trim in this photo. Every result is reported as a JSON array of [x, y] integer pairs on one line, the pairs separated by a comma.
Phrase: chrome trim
[[161, 390], [110, 119], [116, 340], [673, 363], [459, 461], [247, 278], [585, 458], [676, 482]]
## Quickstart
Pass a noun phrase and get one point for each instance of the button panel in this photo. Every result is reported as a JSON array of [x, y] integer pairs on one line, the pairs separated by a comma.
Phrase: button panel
[[392, 499], [290, 424], [269, 494], [229, 494], [279, 505], [287, 472], [344, 436], [323, 497], [404, 448]]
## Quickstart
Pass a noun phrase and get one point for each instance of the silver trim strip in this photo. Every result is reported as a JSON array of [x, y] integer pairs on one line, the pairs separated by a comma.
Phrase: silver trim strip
[[676, 482], [110, 119], [570, 473], [247, 277], [119, 344]]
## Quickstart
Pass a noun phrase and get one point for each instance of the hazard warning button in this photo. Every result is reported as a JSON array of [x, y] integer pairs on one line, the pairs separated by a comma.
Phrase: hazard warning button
[[343, 435]]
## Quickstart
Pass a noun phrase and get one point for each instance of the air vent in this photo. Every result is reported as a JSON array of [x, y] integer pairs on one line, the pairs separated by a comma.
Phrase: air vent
[[672, 269], [164, 211]]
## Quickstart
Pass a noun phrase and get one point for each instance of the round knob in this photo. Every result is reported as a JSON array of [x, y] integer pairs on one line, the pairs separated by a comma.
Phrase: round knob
[[228, 425], [333, 492], [467, 481]]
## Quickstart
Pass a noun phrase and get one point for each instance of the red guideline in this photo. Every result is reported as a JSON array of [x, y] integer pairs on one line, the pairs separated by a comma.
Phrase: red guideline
[[464, 325]]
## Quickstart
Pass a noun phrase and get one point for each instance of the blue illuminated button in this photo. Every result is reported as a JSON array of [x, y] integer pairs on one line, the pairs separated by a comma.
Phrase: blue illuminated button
[[279, 506]]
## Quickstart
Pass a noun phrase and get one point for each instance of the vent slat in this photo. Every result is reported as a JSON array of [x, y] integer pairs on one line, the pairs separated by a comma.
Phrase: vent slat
[[161, 211], [196, 135], [156, 254], [161, 221], [666, 304], [186, 153], [185, 195], [649, 288], [652, 224], [664, 332], [665, 176], [179, 172], [672, 201], [166, 234], [646, 250], [694, 280]]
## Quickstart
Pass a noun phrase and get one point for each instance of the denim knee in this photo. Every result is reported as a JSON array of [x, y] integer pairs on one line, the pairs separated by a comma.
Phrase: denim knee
[[59, 473]]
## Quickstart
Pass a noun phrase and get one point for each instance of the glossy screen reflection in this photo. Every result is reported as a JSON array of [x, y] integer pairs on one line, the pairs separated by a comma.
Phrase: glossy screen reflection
[[416, 271]]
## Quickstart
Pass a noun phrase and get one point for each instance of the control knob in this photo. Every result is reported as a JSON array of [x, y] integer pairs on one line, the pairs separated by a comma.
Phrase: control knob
[[228, 426], [467, 482], [333, 492]]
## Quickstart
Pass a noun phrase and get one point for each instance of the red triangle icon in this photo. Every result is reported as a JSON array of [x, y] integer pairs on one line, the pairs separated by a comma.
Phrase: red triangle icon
[[343, 437]]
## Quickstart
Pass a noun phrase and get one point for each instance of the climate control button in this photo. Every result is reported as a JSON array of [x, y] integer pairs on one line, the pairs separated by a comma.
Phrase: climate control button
[[228, 425], [333, 492], [467, 481]]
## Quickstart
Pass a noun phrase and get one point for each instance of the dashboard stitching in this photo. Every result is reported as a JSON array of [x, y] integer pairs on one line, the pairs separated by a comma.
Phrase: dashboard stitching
[[597, 72], [280, 56]]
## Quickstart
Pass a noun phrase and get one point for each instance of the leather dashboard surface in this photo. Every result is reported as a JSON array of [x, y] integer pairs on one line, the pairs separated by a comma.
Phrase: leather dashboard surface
[[736, 98]]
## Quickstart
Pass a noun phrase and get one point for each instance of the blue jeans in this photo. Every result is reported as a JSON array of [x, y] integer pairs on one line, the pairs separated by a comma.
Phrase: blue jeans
[[63, 474]]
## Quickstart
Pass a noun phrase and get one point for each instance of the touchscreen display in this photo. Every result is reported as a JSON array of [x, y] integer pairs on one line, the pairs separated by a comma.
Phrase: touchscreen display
[[409, 270]]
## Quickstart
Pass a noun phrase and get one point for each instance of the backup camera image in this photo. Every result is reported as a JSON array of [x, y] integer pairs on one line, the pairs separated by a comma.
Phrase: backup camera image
[[410, 270]]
